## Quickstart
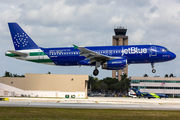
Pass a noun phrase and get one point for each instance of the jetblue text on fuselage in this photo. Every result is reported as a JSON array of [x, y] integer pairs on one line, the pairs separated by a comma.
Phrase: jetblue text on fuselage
[[133, 50]]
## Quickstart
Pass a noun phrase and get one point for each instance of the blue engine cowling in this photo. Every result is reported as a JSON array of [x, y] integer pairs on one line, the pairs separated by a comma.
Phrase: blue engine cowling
[[115, 64]]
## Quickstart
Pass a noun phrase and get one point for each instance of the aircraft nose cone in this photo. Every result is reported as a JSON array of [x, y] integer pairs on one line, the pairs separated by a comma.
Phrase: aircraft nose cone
[[173, 56]]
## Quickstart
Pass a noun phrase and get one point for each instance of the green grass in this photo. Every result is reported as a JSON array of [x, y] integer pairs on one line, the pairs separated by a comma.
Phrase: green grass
[[86, 114]]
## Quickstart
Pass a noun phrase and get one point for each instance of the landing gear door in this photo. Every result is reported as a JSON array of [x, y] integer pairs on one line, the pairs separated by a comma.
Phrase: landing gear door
[[153, 51]]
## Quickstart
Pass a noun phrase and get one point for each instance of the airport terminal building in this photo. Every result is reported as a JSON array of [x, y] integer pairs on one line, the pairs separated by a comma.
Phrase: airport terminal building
[[164, 85], [45, 85]]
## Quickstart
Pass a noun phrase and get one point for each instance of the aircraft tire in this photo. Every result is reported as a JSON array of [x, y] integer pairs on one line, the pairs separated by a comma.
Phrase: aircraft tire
[[95, 72], [153, 70]]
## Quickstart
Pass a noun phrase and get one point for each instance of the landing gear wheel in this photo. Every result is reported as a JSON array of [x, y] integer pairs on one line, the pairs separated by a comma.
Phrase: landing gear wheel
[[153, 70], [95, 72]]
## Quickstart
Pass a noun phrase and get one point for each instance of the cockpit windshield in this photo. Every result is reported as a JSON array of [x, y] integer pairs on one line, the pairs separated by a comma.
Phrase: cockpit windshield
[[165, 50]]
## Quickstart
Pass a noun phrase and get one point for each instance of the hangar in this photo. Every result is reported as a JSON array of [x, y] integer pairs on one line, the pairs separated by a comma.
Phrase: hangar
[[45, 85]]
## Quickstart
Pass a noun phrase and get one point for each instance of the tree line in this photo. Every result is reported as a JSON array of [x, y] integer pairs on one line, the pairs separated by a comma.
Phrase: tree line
[[109, 85], [8, 74], [166, 75]]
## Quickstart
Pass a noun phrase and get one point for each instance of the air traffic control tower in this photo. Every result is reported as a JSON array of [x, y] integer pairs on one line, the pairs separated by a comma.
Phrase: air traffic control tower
[[119, 38]]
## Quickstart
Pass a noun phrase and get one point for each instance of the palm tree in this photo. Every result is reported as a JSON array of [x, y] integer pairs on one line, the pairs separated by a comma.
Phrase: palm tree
[[166, 75], [125, 83], [145, 75], [91, 82], [171, 75]]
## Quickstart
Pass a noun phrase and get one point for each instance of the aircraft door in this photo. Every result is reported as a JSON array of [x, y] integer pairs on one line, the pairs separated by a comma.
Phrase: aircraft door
[[153, 51], [40, 55]]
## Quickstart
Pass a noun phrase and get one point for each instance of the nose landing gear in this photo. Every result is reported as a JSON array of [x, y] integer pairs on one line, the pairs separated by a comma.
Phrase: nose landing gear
[[153, 70]]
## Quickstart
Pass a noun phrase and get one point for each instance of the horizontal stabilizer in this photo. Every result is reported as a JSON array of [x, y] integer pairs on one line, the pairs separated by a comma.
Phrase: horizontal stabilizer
[[18, 53]]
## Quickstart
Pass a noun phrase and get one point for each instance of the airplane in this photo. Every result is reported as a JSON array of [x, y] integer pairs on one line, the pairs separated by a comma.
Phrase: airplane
[[108, 57], [136, 93]]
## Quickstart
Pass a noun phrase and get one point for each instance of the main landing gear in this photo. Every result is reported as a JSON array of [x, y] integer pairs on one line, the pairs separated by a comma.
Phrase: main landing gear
[[153, 70], [96, 71]]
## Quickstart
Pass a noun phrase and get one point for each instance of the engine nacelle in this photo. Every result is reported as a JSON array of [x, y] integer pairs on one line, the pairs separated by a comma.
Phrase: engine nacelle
[[115, 64]]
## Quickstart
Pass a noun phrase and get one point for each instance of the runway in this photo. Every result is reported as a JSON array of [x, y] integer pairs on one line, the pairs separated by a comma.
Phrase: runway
[[90, 105]]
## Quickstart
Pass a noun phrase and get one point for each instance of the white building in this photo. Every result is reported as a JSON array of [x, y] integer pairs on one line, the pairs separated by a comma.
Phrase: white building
[[44, 85], [164, 85]]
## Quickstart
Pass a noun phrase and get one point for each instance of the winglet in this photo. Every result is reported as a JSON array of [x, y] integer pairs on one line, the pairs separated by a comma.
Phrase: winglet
[[75, 47]]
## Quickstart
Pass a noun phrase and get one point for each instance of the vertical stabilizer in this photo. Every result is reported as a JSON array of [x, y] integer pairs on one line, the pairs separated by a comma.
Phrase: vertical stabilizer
[[136, 91], [20, 39]]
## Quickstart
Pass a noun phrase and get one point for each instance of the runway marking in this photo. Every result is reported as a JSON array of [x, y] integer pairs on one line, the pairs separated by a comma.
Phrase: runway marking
[[140, 106]]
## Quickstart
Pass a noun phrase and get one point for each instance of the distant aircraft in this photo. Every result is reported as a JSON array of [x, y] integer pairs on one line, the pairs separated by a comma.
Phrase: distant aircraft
[[136, 93], [109, 57]]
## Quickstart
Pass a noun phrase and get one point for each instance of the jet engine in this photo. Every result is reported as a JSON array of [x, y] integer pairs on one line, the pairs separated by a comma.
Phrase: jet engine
[[115, 64]]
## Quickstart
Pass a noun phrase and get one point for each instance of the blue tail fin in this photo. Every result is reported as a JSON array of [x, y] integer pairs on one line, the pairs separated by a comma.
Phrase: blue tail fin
[[20, 39], [136, 91]]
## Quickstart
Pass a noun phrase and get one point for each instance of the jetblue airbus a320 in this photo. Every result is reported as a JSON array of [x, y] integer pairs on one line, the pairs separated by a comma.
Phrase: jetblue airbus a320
[[109, 57]]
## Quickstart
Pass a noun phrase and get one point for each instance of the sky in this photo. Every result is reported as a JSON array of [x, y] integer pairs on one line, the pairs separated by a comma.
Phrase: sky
[[60, 23]]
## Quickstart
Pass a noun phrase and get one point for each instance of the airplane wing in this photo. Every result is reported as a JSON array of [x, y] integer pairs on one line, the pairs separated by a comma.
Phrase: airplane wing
[[18, 53], [91, 55]]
